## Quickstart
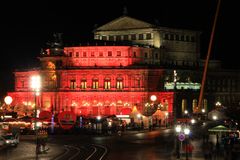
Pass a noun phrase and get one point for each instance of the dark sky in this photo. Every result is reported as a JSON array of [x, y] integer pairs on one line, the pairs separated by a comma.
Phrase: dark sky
[[27, 26]]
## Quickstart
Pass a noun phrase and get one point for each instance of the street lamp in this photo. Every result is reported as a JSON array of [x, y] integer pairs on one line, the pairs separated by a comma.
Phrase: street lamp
[[203, 113], [218, 104], [153, 98], [214, 117], [36, 85], [8, 100], [178, 130]]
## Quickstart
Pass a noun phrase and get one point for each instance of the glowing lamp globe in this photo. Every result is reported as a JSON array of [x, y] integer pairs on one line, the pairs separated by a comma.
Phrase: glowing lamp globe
[[153, 98], [8, 100]]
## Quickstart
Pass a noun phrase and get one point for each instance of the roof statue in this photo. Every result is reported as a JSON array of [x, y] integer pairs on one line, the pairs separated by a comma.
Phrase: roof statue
[[125, 11], [57, 39]]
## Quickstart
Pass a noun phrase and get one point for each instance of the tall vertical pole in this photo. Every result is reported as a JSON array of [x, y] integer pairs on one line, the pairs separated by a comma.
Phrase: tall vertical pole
[[35, 122], [175, 113], [175, 89], [35, 111], [208, 56]]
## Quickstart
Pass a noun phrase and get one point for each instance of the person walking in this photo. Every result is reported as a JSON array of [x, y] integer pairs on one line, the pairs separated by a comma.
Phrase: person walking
[[44, 140]]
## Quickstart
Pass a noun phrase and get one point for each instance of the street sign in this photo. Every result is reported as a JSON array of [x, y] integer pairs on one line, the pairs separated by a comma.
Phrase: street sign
[[67, 119], [181, 137]]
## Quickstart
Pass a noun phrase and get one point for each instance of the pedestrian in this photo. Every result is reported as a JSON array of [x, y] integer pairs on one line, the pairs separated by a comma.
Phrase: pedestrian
[[44, 140], [189, 149], [38, 141], [208, 150]]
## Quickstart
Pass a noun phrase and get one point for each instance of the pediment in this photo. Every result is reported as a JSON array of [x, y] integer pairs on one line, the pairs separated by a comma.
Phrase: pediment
[[123, 23]]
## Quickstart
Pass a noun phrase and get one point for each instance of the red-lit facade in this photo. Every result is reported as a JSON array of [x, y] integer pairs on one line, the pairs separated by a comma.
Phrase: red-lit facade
[[94, 80]]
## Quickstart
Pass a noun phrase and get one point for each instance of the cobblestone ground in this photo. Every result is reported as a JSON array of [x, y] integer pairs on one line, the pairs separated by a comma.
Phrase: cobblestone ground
[[26, 151]]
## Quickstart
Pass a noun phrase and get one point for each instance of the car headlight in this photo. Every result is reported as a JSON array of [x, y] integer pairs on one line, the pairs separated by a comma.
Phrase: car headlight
[[7, 141]]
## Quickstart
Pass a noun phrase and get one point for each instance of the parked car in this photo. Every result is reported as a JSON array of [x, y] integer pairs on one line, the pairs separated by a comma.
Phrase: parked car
[[11, 140]]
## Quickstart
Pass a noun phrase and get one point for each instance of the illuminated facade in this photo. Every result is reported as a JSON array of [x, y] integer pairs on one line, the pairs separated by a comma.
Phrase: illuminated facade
[[104, 79], [94, 80]]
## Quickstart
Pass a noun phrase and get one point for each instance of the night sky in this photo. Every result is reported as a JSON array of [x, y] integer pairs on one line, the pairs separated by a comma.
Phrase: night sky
[[27, 27]]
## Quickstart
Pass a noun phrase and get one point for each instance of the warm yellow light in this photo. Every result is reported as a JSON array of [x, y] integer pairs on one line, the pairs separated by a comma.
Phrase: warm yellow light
[[186, 131], [153, 98], [36, 83], [215, 117], [218, 104], [139, 115], [178, 128], [8, 100]]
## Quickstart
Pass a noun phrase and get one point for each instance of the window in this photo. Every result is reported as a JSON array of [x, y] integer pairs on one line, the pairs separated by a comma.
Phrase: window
[[133, 37], [187, 38], [166, 36], [109, 53], [51, 84], [83, 84], [70, 54], [77, 54], [95, 84], [192, 39], [137, 84], [104, 38], [177, 37], [22, 84], [149, 36], [107, 84], [125, 37], [171, 37], [118, 38], [84, 54], [92, 54], [100, 54], [111, 38], [194, 106], [156, 55], [134, 54], [205, 104], [118, 53], [146, 55], [140, 37], [184, 105], [119, 83], [73, 84], [182, 37]]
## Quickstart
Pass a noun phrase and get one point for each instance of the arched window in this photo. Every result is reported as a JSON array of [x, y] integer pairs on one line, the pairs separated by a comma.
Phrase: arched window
[[119, 84], [83, 83], [73, 84], [184, 105], [205, 103], [107, 83], [137, 83], [194, 106], [95, 84]]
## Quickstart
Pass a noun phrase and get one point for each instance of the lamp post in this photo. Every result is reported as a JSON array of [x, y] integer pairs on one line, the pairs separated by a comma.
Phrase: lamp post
[[36, 85], [203, 114], [8, 100], [218, 105], [186, 132], [166, 119], [178, 130]]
